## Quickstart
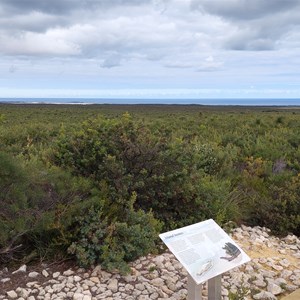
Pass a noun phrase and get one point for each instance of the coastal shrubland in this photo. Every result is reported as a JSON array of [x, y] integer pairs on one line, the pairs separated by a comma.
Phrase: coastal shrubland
[[100, 182]]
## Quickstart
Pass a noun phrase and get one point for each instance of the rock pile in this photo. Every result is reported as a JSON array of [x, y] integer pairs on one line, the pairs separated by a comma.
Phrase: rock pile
[[273, 272]]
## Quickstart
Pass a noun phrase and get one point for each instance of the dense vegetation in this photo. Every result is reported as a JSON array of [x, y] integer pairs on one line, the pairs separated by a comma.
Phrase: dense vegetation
[[100, 182]]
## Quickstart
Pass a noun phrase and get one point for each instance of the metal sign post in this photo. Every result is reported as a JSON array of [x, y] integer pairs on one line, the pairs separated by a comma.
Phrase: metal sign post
[[194, 290], [214, 288]]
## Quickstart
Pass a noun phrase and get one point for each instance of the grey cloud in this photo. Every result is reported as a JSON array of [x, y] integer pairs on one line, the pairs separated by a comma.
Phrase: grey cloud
[[244, 9], [111, 61], [34, 21], [51, 7], [250, 45], [257, 24], [61, 7]]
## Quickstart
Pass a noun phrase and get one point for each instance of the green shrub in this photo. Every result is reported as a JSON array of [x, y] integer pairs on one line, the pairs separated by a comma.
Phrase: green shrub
[[115, 242], [15, 214], [37, 206], [123, 156]]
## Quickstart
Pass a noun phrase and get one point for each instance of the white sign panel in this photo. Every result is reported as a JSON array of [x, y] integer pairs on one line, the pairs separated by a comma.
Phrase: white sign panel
[[204, 249]]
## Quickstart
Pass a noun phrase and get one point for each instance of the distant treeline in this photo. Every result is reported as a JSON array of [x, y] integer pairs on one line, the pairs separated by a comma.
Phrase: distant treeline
[[99, 182]]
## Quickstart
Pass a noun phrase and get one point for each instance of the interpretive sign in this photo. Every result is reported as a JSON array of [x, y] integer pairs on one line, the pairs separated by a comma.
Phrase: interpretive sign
[[204, 249]]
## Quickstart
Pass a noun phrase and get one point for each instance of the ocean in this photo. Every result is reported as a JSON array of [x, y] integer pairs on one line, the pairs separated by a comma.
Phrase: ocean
[[86, 101]]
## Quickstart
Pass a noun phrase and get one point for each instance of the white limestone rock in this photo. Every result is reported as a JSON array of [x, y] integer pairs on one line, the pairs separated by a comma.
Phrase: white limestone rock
[[113, 285], [55, 275], [12, 295], [274, 288], [33, 274], [78, 296], [68, 272], [45, 273], [77, 278], [22, 269], [23, 292], [264, 296]]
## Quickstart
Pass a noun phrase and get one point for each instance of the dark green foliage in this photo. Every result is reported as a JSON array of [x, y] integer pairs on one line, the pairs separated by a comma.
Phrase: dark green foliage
[[115, 242], [13, 204], [36, 207], [165, 172], [121, 173]]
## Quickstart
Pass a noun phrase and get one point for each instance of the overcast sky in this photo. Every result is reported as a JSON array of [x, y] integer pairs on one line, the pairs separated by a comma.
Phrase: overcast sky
[[144, 48]]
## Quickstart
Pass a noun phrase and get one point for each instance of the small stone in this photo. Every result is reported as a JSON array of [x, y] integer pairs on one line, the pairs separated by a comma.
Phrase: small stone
[[45, 273], [97, 270], [157, 282], [5, 280], [159, 261], [12, 294], [23, 293], [56, 274], [259, 283], [291, 287], [154, 295], [78, 296], [21, 269], [31, 284], [113, 285], [129, 287], [95, 279], [129, 278], [296, 282], [166, 290], [280, 281], [284, 263], [264, 296], [274, 288], [248, 268], [290, 239], [68, 272], [140, 286], [276, 267], [105, 276], [225, 292], [33, 274], [77, 278], [286, 273]]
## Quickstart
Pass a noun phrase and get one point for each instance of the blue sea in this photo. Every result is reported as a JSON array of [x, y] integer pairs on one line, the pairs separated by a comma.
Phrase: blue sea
[[86, 101]]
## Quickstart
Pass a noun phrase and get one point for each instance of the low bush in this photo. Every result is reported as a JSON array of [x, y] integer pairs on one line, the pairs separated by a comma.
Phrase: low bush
[[36, 207], [114, 242]]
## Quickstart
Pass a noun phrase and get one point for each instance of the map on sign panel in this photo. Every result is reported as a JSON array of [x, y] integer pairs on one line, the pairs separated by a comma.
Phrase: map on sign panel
[[204, 249]]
